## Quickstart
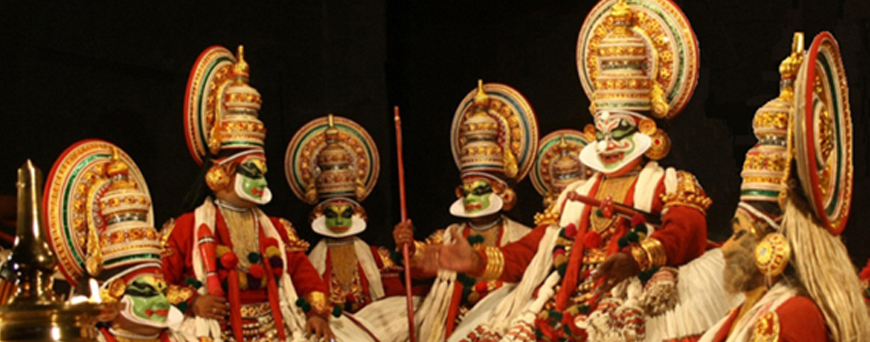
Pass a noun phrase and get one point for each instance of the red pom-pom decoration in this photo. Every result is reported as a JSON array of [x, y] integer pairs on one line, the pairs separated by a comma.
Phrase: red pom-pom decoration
[[570, 231], [480, 287], [637, 219], [229, 260], [592, 239], [257, 271]]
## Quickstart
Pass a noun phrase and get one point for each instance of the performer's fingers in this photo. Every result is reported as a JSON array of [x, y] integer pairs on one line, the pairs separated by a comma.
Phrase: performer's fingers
[[221, 310], [309, 330], [601, 271], [319, 332]]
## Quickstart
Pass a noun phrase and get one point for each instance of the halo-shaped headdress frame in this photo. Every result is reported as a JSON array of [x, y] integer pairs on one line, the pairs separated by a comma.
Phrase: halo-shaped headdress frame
[[205, 86], [74, 184], [671, 44], [516, 118], [822, 129], [300, 159], [548, 151]]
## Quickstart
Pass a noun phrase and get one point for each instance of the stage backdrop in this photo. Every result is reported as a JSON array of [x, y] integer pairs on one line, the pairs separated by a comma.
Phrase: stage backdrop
[[117, 71]]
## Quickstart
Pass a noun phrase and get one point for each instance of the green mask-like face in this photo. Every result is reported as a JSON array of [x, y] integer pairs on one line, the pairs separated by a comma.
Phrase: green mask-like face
[[475, 195], [149, 299], [338, 217], [253, 180], [615, 141]]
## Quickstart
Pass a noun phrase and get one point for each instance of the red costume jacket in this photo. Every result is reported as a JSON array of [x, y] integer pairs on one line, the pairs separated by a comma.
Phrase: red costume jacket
[[178, 262], [796, 320]]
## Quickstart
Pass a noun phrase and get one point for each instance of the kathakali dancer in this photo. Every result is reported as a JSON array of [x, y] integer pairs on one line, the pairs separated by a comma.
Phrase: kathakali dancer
[[786, 255], [558, 164], [100, 225], [494, 139], [333, 163], [590, 273], [253, 281]]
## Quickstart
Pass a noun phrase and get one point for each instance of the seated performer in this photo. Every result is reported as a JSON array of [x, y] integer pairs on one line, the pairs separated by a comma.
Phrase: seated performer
[[333, 162], [638, 63], [785, 254], [494, 138], [100, 225], [252, 278], [558, 164]]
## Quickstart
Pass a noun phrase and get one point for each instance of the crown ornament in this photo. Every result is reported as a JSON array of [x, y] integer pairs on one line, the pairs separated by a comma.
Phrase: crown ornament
[[639, 57], [99, 213], [809, 126], [331, 157], [558, 163], [221, 108], [766, 168], [494, 132]]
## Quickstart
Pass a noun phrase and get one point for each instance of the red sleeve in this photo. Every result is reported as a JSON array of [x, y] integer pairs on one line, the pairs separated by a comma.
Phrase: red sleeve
[[389, 272], [177, 255], [683, 233], [304, 276], [801, 321], [517, 255]]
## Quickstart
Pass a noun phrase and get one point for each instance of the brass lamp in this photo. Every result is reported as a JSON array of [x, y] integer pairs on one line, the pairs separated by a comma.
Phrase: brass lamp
[[34, 313]]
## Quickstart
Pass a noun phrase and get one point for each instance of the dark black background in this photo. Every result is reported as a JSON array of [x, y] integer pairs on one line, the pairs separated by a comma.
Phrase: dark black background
[[117, 71]]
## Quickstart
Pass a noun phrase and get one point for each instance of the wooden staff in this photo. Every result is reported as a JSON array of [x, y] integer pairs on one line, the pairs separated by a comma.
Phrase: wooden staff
[[406, 255], [618, 208]]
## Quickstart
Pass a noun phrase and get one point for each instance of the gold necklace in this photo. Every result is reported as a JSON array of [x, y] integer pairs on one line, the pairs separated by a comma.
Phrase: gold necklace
[[616, 189], [243, 230]]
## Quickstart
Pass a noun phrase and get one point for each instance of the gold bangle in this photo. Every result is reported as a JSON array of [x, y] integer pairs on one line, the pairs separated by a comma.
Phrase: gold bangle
[[655, 251], [494, 263], [641, 257], [319, 303]]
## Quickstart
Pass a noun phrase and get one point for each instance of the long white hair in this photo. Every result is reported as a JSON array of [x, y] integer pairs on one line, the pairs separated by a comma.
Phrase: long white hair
[[826, 272]]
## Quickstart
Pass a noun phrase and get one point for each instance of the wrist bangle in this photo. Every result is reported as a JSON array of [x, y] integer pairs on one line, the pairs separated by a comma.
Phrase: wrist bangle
[[655, 251], [494, 263], [641, 257]]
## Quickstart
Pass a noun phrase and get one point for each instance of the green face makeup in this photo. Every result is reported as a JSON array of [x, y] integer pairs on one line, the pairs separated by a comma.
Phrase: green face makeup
[[253, 173], [338, 217], [149, 299], [618, 141], [475, 196]]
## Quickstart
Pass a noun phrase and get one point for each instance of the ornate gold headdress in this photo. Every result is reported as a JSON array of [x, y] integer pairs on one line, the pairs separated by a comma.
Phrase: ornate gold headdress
[[813, 101], [221, 108], [331, 157], [494, 132], [558, 163], [640, 57], [99, 213]]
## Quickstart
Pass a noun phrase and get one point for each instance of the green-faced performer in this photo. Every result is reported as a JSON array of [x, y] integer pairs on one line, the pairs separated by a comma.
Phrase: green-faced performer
[[100, 223], [494, 139]]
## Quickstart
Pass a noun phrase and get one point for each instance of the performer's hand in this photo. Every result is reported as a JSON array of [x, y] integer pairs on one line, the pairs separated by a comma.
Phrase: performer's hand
[[214, 307], [459, 256], [318, 328], [616, 268], [404, 233]]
